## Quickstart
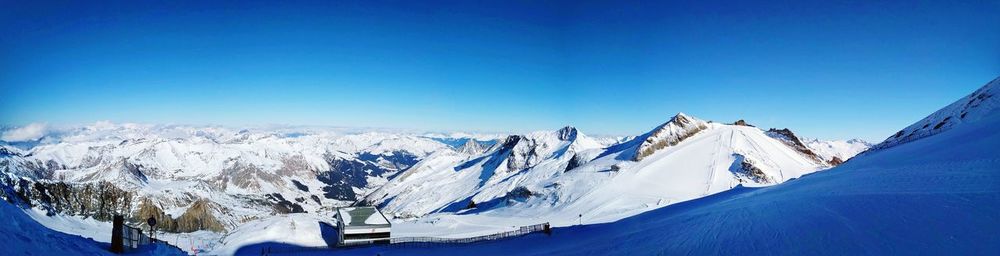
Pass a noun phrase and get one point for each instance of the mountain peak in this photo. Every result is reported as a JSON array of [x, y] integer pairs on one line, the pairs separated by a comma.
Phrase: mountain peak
[[680, 116], [567, 133], [472, 147], [679, 127], [789, 138]]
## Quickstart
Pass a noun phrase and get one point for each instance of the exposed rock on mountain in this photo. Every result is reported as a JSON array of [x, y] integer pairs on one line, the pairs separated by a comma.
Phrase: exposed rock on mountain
[[201, 216], [971, 108], [556, 175], [679, 127], [257, 172], [741, 122], [789, 138], [472, 147], [745, 169]]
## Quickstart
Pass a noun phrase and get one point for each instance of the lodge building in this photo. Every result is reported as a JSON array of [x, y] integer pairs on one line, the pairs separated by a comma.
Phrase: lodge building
[[362, 225]]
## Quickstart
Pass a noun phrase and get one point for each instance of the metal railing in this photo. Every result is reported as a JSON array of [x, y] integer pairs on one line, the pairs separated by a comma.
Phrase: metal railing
[[418, 241], [496, 236], [134, 237]]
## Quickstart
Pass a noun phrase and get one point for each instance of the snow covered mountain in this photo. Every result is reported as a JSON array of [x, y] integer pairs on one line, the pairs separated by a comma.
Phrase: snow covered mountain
[[837, 151], [232, 176], [220, 179], [935, 192], [559, 175], [971, 108]]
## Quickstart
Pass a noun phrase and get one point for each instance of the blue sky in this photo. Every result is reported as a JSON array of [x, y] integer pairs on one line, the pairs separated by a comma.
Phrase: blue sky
[[825, 69]]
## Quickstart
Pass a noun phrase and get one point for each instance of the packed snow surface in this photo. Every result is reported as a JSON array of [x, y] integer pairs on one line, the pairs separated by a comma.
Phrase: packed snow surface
[[22, 235]]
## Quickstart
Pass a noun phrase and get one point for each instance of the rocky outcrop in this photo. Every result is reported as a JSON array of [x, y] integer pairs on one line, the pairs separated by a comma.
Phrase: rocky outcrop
[[788, 137], [574, 162], [567, 133], [981, 103], [835, 161], [742, 123], [100, 201], [745, 169], [244, 176], [679, 127], [150, 209], [472, 147], [200, 216], [282, 206]]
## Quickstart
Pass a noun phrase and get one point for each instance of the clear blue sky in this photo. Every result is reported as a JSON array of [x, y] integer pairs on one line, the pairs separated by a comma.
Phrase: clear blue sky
[[825, 69]]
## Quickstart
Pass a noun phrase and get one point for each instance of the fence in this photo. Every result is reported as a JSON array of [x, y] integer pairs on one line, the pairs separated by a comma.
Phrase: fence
[[497, 236], [134, 237], [125, 237], [421, 241]]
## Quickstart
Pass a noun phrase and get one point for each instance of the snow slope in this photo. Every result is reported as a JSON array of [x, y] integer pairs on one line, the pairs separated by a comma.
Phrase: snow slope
[[21, 235], [971, 108], [565, 180], [939, 195], [288, 169]]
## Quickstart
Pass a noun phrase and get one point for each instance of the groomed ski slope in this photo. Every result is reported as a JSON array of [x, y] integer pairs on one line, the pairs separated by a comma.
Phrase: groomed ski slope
[[595, 192], [937, 195]]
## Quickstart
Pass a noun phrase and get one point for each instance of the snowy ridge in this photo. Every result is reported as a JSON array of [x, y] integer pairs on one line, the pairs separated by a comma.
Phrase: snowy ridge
[[555, 176], [668, 134], [450, 180], [888, 201], [970, 109]]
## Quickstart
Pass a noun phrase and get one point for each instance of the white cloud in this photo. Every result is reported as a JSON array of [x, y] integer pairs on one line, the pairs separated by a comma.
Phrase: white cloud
[[25, 133], [102, 125]]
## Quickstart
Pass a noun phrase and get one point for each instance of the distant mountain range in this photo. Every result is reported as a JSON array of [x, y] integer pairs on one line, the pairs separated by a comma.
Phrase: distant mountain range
[[234, 176]]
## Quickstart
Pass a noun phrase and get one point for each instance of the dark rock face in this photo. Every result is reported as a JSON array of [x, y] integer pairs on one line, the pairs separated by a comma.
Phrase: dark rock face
[[346, 174], [282, 206], [149, 209], [103, 200], [100, 201], [575, 161], [789, 138], [744, 168], [300, 186], [200, 216], [742, 123], [663, 137], [835, 161], [567, 133]]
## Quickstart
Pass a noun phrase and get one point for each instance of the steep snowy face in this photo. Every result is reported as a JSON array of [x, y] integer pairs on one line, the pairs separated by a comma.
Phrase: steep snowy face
[[788, 137], [714, 159], [668, 134], [472, 147], [936, 195], [972, 108], [452, 181], [559, 175]]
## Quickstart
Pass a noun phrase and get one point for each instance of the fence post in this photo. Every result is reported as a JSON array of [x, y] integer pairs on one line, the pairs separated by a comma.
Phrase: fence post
[[117, 245]]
